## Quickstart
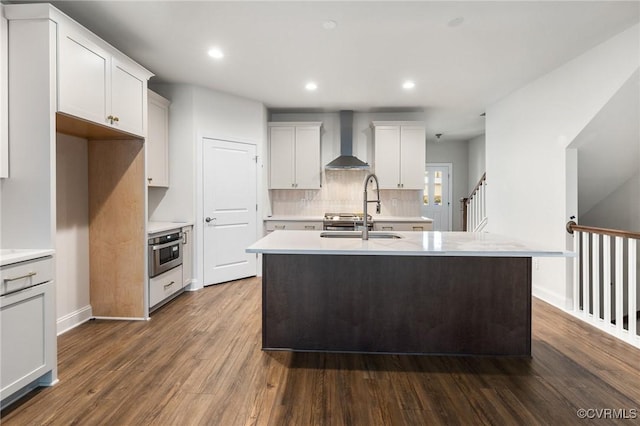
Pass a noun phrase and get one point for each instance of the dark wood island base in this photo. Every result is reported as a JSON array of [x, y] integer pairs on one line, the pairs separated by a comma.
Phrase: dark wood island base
[[438, 305]]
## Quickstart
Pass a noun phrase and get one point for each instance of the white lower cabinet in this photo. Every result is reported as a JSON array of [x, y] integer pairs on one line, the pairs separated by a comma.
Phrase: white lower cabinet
[[403, 226], [292, 225], [28, 329], [165, 285], [187, 255]]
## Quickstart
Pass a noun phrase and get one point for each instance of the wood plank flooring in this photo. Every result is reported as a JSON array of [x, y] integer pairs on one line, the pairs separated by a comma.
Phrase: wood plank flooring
[[198, 361]]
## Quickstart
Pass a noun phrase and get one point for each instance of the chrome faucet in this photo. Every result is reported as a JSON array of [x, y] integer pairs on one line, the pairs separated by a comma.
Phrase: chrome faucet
[[365, 220]]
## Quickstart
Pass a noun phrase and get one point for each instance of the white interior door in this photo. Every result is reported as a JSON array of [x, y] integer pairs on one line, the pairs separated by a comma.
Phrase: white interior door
[[437, 196], [229, 210]]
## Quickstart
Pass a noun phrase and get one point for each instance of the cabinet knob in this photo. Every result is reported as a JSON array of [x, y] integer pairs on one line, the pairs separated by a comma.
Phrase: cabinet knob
[[116, 119]]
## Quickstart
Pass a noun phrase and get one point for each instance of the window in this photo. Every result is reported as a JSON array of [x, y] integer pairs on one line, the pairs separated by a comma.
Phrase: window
[[437, 188]]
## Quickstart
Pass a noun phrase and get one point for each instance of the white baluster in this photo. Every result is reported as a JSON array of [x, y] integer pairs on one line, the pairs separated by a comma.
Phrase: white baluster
[[606, 277], [576, 271], [595, 270], [619, 283], [632, 259], [586, 250]]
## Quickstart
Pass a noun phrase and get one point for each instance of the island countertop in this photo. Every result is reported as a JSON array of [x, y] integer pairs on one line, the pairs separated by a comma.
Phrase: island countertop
[[410, 244]]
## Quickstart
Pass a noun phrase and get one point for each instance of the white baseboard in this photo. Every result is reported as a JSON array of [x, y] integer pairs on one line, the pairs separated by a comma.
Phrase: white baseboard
[[550, 297], [73, 319]]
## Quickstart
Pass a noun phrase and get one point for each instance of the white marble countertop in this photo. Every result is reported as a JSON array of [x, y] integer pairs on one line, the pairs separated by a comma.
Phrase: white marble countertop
[[10, 256], [382, 218], [376, 218], [155, 227], [411, 244], [318, 218]]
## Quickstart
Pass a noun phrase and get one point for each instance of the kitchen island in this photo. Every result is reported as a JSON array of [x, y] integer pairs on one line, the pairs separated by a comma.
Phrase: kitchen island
[[411, 292]]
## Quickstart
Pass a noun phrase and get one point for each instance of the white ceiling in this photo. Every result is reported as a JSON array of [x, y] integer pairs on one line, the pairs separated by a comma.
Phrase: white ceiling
[[273, 48]]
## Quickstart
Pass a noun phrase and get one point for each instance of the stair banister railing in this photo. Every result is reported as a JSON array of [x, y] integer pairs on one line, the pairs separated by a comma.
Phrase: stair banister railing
[[605, 280], [474, 207]]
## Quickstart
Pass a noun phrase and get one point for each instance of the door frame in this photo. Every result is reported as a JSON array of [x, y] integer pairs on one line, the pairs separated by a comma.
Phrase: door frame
[[198, 237], [449, 167]]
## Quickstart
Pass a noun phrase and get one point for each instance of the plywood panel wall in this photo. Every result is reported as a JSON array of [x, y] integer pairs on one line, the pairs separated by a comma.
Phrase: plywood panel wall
[[116, 228]]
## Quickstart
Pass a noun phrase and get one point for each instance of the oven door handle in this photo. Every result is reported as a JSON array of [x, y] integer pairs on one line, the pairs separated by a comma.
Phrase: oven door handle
[[165, 245]]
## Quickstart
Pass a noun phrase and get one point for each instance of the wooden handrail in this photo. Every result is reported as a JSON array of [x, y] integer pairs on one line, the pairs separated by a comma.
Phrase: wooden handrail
[[572, 226], [477, 187]]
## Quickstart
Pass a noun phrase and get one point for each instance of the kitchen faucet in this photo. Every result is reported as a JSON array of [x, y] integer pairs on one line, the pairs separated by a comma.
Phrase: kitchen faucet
[[365, 220]]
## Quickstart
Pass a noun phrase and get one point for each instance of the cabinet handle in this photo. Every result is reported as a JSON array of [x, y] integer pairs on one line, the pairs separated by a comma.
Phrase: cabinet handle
[[149, 179], [184, 238], [280, 226], [27, 275], [309, 227], [112, 118], [166, 286]]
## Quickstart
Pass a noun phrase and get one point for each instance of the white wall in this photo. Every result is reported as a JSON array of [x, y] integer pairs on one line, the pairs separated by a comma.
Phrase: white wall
[[195, 113], [457, 153], [477, 163], [72, 232], [619, 210], [527, 134]]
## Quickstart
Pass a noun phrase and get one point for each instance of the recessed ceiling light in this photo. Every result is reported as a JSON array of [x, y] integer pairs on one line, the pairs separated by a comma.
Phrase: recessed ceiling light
[[408, 85], [311, 86], [456, 22], [329, 24], [216, 53]]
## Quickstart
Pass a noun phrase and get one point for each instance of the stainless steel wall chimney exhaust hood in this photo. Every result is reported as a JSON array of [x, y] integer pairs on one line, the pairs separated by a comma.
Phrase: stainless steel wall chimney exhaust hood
[[346, 160]]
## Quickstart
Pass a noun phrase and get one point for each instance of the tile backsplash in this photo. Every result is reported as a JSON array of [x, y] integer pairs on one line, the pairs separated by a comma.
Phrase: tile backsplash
[[342, 192]]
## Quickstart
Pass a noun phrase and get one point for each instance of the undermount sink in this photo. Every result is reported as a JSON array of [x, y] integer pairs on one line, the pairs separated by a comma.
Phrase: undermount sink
[[372, 235]]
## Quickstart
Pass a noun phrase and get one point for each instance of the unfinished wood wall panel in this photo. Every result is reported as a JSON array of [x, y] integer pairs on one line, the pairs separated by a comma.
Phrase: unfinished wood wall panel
[[116, 228]]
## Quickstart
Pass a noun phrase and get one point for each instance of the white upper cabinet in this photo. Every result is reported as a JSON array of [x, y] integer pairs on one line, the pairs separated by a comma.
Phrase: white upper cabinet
[[400, 149], [294, 155], [4, 99], [99, 85], [158, 141]]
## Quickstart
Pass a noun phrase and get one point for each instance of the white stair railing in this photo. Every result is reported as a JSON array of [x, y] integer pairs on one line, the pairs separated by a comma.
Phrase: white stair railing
[[474, 207], [605, 280]]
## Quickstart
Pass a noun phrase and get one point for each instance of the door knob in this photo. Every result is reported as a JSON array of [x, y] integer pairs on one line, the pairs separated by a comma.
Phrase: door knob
[[210, 219]]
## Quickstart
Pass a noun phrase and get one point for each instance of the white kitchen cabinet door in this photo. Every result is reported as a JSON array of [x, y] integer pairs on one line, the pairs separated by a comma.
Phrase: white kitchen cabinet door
[[307, 158], [98, 85], [157, 141], [412, 157], [400, 155], [187, 255], [28, 338], [83, 77], [128, 99], [4, 98], [281, 157], [387, 156]]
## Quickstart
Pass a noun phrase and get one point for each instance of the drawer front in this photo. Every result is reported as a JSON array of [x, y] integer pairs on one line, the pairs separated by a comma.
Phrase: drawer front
[[164, 285], [273, 225], [21, 275], [403, 226]]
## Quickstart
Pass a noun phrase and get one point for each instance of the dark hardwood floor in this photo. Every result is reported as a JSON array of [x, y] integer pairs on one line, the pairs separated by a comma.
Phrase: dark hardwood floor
[[198, 361]]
